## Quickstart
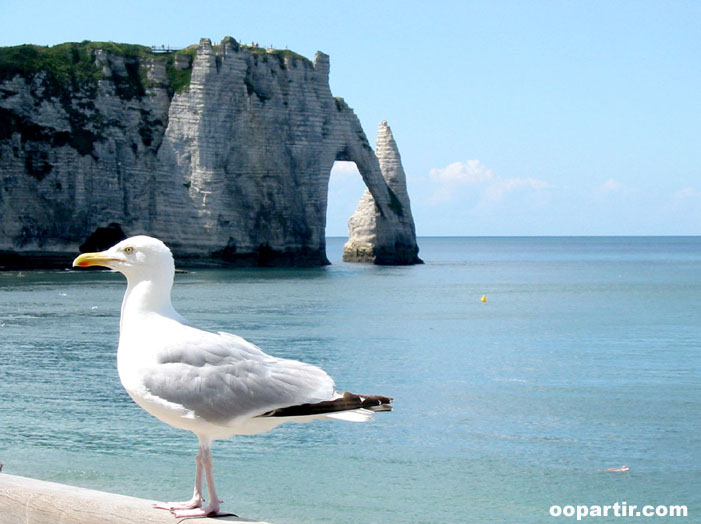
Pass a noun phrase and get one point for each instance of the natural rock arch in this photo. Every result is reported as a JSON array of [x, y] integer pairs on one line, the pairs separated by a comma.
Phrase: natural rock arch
[[231, 167]]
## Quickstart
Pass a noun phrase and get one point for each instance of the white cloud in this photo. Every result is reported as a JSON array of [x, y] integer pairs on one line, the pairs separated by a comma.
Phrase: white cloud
[[611, 185], [685, 205], [496, 190], [470, 172], [687, 192], [459, 180]]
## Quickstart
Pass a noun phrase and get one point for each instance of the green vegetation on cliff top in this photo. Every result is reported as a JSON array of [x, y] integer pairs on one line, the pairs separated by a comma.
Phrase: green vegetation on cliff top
[[180, 78], [280, 54], [69, 62], [71, 66]]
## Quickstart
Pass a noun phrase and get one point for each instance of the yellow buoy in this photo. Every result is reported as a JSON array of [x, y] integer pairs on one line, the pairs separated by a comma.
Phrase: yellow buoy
[[484, 298]]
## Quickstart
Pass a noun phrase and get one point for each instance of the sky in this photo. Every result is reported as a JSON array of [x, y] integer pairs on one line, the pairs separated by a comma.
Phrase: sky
[[511, 117]]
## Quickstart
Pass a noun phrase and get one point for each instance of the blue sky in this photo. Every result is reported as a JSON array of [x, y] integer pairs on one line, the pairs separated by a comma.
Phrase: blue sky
[[512, 117]]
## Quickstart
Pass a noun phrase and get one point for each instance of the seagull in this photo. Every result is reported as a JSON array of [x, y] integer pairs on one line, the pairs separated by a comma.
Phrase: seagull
[[215, 385]]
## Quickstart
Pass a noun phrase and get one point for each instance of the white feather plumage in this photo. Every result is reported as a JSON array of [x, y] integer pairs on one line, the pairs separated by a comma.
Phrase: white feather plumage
[[214, 384]]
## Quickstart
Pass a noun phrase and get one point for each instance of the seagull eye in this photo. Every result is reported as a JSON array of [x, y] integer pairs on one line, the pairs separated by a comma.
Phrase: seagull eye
[[128, 250]]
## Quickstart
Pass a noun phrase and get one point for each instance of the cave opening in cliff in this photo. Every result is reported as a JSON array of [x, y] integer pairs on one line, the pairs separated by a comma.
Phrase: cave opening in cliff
[[103, 238], [346, 186]]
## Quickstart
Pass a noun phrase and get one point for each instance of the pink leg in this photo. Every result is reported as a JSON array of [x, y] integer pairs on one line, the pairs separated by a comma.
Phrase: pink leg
[[213, 507], [196, 500]]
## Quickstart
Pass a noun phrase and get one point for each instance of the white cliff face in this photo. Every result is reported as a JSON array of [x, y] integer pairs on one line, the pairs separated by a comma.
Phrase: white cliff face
[[391, 163], [372, 234], [235, 168], [75, 158]]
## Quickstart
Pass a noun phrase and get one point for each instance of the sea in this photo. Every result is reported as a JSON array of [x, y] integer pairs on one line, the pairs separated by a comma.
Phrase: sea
[[522, 369]]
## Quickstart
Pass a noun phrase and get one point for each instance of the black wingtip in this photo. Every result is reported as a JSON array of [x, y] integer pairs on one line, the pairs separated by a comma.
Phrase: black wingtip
[[372, 402], [347, 402]]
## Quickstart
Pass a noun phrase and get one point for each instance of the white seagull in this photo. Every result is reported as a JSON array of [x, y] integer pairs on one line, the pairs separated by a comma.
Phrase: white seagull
[[214, 384]]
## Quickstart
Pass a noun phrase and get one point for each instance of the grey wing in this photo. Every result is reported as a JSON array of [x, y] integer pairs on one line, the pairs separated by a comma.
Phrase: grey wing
[[220, 377]]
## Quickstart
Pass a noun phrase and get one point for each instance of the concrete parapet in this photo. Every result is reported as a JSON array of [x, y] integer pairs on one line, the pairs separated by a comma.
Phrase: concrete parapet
[[29, 501]]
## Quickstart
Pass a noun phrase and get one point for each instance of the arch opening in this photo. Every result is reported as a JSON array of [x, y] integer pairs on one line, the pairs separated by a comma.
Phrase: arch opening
[[346, 187]]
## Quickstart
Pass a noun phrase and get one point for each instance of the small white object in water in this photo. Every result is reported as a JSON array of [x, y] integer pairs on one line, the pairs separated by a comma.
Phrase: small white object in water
[[622, 469]]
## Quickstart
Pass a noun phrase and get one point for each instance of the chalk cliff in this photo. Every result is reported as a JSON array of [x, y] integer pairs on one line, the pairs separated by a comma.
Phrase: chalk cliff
[[224, 152], [372, 238]]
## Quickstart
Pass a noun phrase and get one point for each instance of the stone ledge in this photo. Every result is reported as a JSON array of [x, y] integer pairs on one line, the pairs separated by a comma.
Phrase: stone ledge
[[29, 501]]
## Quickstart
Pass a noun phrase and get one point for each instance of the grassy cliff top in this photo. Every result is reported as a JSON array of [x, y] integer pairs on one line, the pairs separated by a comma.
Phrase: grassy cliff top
[[278, 53], [65, 62], [71, 65]]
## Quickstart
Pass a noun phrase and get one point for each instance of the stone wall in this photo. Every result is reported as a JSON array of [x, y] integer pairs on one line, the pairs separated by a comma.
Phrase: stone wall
[[24, 500]]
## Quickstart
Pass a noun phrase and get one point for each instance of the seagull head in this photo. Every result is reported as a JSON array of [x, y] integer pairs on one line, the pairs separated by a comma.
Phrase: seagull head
[[139, 258]]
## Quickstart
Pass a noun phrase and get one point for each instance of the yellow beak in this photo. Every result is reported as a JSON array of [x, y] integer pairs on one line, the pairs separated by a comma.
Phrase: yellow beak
[[93, 259]]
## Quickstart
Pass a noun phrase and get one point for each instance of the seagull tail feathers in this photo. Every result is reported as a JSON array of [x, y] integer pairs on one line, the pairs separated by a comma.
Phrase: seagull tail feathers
[[348, 406], [355, 415]]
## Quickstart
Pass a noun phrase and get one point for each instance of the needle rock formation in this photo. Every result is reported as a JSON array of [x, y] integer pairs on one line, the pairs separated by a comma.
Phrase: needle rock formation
[[224, 152]]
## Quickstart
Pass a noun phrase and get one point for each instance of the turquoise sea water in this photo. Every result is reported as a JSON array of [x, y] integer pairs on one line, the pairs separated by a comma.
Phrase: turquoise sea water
[[586, 356]]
